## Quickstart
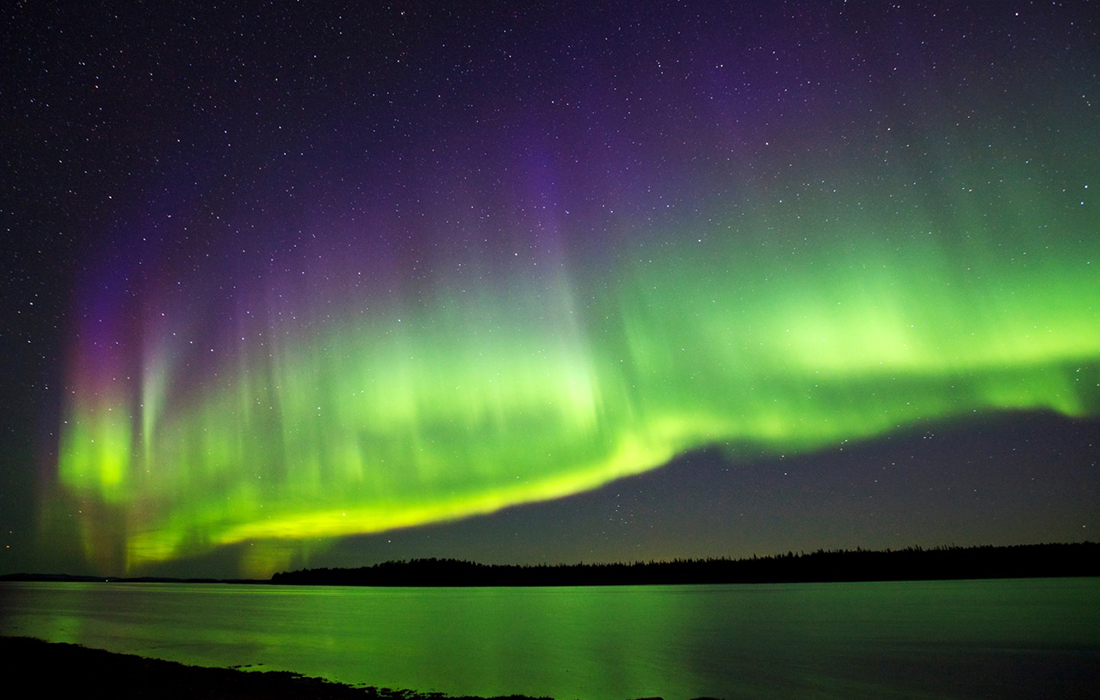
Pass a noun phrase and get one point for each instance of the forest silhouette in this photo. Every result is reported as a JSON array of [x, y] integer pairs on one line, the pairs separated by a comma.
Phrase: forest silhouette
[[909, 564]]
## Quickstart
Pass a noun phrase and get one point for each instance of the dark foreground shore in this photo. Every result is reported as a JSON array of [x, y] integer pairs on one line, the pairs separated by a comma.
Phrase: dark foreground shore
[[70, 670]]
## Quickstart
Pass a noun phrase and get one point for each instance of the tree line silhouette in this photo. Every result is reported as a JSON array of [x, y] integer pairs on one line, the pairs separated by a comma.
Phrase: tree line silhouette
[[909, 564]]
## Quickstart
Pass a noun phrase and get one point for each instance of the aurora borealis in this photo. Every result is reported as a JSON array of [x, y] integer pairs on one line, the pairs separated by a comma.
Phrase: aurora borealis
[[412, 268]]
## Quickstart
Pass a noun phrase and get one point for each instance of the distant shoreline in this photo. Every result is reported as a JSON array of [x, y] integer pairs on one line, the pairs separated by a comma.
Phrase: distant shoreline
[[836, 566], [910, 564]]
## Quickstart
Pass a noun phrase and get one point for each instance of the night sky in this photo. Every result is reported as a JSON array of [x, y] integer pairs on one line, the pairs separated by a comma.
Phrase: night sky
[[303, 284]]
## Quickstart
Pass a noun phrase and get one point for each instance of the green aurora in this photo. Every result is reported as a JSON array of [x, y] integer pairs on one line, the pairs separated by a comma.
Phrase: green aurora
[[830, 326], [524, 254]]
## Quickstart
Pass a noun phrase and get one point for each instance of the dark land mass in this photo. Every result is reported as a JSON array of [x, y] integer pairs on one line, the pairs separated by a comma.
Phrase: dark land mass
[[74, 671], [911, 564]]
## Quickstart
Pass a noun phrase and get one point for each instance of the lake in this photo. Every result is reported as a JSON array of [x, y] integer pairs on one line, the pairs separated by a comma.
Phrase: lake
[[1021, 638]]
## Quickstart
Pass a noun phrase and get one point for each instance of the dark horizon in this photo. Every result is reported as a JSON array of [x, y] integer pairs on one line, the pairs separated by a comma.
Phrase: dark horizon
[[837, 566], [943, 562]]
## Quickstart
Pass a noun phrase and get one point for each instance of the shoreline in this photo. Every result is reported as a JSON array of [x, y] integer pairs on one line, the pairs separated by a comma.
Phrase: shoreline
[[74, 670]]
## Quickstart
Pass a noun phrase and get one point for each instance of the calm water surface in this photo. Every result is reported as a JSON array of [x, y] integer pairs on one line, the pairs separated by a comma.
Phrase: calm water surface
[[942, 639]]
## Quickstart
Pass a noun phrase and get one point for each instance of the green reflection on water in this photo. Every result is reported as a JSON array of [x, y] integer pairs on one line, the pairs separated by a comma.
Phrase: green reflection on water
[[955, 639]]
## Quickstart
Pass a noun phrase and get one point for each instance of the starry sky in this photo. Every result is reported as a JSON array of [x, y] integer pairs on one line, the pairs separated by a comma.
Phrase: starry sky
[[323, 284]]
